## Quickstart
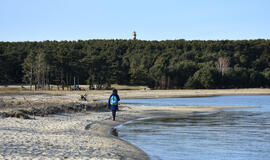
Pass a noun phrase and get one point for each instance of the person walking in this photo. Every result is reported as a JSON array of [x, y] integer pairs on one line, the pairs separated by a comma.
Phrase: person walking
[[113, 103]]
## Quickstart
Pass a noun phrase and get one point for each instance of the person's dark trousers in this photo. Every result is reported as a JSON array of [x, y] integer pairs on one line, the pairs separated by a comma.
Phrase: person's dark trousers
[[113, 114]]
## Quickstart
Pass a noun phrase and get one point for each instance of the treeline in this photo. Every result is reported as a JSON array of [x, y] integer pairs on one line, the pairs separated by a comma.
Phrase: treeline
[[171, 64]]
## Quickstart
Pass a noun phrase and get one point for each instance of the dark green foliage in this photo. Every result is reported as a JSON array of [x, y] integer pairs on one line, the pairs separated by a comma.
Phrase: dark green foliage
[[204, 78], [159, 64]]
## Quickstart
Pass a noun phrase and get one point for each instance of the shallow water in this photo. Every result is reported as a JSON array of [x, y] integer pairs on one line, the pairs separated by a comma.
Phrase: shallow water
[[234, 100], [234, 134]]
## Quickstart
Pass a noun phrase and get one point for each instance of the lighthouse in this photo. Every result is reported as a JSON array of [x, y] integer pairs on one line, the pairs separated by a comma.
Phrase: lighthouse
[[134, 35]]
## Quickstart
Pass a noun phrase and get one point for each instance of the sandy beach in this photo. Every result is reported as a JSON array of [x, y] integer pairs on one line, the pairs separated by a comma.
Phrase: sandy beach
[[87, 135]]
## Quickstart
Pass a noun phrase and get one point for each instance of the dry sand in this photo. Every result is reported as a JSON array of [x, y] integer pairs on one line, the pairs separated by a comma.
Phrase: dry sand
[[66, 136], [85, 135]]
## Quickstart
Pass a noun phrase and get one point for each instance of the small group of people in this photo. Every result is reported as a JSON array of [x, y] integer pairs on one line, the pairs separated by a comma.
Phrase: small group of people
[[113, 103]]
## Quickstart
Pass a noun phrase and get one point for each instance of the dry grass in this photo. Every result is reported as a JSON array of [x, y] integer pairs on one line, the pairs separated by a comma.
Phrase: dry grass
[[56, 88], [134, 92], [126, 87], [21, 99]]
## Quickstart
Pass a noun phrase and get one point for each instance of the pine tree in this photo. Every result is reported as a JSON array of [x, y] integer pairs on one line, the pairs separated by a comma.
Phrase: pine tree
[[28, 68]]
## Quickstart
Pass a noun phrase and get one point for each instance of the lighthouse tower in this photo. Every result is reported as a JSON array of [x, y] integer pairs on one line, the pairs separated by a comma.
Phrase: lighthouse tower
[[134, 35]]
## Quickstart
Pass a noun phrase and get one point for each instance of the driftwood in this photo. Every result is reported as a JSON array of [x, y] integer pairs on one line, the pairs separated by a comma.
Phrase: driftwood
[[83, 97], [114, 132]]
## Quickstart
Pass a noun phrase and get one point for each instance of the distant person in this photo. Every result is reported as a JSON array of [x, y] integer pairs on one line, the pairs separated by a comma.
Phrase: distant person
[[113, 103]]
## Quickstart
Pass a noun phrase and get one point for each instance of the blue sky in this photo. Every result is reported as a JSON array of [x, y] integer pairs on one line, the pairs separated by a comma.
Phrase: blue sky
[[38, 20]]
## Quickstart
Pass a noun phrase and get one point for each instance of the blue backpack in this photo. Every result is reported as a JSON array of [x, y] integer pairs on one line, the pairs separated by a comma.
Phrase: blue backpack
[[113, 100]]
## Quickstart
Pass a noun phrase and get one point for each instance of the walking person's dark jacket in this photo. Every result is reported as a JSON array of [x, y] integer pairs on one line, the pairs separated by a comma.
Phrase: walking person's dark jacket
[[113, 107]]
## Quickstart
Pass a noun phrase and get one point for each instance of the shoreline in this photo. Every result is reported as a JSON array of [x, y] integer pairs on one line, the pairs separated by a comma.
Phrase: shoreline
[[157, 112], [139, 153], [80, 135], [87, 135]]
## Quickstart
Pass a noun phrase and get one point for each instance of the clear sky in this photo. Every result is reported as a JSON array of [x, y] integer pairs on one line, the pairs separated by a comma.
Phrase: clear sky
[[38, 20]]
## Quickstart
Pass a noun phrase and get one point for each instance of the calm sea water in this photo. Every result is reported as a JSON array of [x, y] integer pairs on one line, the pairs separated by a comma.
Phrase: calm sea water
[[235, 134]]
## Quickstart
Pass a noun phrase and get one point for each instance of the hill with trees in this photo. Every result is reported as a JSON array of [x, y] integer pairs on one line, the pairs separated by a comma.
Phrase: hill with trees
[[171, 64]]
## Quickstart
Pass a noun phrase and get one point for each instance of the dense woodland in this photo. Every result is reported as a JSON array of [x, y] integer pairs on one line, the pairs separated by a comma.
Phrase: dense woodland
[[171, 64]]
